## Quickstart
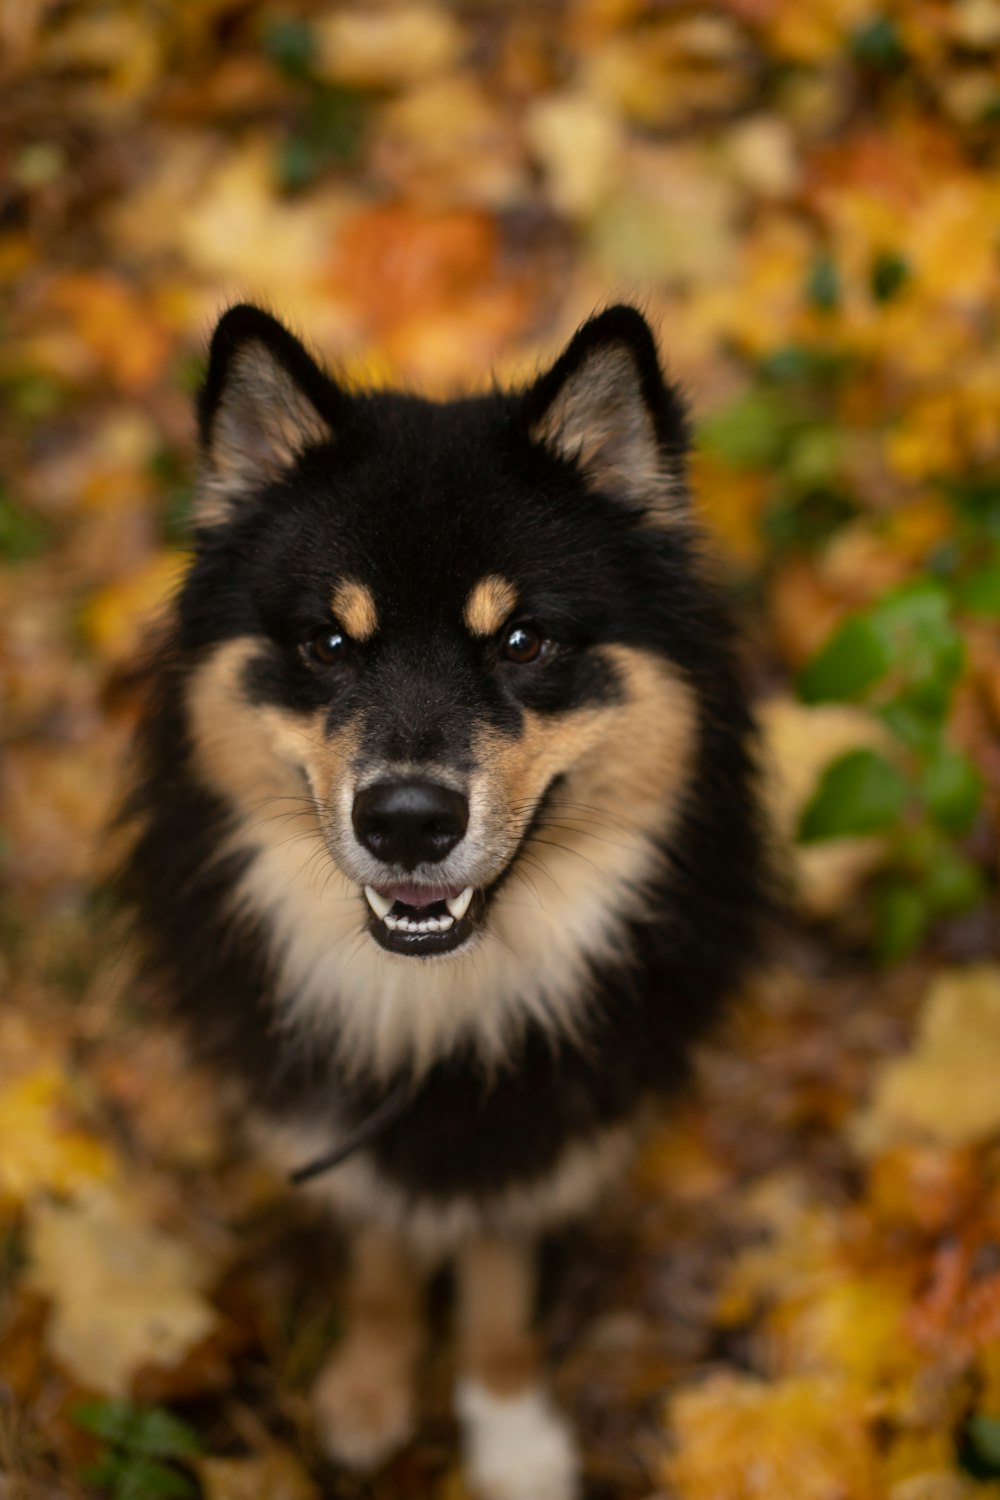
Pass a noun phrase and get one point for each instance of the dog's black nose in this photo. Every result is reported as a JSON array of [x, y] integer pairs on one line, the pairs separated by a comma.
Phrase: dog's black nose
[[409, 823]]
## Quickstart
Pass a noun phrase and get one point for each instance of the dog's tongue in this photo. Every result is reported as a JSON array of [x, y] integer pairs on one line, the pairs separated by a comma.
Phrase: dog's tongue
[[419, 895]]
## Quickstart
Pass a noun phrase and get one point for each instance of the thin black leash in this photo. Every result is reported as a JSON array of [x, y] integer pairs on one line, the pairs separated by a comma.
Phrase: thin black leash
[[382, 1115]]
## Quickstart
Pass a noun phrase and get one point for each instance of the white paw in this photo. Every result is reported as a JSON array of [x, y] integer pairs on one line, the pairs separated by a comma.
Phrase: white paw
[[363, 1406], [516, 1447]]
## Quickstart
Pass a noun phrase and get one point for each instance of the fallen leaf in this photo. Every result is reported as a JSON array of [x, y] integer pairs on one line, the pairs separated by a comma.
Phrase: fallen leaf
[[275, 1475], [40, 1147], [579, 145], [115, 619], [945, 1089], [741, 1439], [387, 46], [123, 1293]]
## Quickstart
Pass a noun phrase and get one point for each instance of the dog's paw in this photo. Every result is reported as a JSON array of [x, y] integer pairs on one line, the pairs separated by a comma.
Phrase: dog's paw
[[516, 1447], [363, 1405]]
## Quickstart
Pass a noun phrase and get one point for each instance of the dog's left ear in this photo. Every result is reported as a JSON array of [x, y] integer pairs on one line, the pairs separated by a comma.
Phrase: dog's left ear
[[264, 402], [605, 407]]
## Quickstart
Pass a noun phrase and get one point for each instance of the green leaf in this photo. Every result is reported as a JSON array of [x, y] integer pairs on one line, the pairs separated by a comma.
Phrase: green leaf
[[977, 501], [982, 1436], [953, 884], [35, 397], [854, 658], [300, 161], [879, 44], [159, 1434], [806, 520], [889, 274], [103, 1475], [814, 457], [902, 916], [147, 1479], [823, 284], [331, 133], [925, 646], [859, 793], [916, 730], [291, 46], [979, 593], [751, 432], [923, 601], [798, 364], [952, 789], [114, 1421], [151, 1432], [337, 121], [23, 535]]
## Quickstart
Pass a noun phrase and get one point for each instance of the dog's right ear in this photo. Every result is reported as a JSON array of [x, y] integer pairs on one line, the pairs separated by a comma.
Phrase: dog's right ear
[[263, 403]]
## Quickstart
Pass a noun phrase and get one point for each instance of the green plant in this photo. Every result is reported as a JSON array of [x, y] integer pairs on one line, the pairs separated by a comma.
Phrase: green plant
[[23, 534], [902, 657], [143, 1446]]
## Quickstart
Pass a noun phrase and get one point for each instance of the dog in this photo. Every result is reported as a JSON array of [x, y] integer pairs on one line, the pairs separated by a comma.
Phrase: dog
[[445, 839]]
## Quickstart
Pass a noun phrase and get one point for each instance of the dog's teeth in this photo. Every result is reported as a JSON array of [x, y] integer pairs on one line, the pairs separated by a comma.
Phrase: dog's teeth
[[429, 924], [459, 905], [379, 905]]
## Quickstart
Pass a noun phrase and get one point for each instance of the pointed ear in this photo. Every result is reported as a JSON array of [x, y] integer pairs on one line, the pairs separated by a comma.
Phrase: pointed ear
[[264, 402], [605, 407]]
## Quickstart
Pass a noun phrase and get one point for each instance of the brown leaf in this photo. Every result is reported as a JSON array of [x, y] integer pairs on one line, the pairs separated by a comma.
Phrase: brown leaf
[[275, 1475]]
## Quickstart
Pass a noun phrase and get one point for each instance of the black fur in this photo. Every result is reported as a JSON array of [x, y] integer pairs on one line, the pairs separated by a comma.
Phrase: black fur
[[429, 497]]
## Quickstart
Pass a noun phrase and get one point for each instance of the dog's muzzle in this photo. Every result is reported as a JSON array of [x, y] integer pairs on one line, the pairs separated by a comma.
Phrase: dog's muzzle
[[408, 824]]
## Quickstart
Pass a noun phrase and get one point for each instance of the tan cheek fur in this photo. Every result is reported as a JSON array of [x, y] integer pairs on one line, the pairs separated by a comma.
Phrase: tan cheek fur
[[249, 753], [489, 604], [624, 763]]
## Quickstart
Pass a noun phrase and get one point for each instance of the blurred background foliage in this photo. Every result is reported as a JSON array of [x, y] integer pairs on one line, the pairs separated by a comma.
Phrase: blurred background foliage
[[805, 198]]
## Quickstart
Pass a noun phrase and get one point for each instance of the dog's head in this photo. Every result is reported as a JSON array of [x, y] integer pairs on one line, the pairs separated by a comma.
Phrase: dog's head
[[457, 639]]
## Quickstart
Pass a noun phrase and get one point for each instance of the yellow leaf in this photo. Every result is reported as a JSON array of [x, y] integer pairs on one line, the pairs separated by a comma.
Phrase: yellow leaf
[[763, 153], [39, 1149], [379, 48], [731, 500], [579, 143], [116, 326], [276, 1475], [926, 441], [448, 140], [945, 1088], [740, 1439], [124, 1295], [953, 242], [854, 1328], [116, 618]]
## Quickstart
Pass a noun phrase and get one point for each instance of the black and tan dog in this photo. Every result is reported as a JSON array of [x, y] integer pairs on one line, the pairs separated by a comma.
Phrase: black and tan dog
[[445, 795]]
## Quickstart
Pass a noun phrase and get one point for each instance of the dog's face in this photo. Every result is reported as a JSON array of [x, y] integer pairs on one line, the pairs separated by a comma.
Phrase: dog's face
[[449, 637]]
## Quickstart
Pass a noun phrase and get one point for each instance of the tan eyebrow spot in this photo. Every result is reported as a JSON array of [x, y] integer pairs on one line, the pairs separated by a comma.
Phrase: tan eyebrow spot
[[354, 607], [489, 604]]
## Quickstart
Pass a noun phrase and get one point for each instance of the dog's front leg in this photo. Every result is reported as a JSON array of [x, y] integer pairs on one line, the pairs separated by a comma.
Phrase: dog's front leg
[[517, 1446], [364, 1399]]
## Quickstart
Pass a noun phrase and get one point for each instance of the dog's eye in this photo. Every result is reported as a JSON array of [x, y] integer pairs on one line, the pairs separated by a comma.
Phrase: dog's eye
[[523, 643], [327, 648]]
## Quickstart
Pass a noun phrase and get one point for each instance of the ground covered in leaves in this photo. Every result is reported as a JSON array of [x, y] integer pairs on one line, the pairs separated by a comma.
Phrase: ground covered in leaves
[[798, 1293]]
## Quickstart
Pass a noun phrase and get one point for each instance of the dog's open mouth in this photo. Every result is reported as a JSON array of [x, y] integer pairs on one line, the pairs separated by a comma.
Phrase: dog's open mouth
[[422, 920]]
